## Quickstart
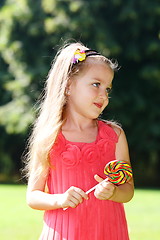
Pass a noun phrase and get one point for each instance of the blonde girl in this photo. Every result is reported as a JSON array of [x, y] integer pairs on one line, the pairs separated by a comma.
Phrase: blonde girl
[[69, 148]]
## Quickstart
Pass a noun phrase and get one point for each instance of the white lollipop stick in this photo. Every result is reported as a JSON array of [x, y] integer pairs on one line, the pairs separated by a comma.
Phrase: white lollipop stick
[[91, 189]]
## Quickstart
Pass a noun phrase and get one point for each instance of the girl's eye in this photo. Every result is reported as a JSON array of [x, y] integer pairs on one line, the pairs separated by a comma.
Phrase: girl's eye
[[108, 90], [96, 84]]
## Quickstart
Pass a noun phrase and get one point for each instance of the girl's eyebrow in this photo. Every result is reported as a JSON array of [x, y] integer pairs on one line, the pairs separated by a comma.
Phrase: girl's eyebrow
[[110, 86], [97, 79]]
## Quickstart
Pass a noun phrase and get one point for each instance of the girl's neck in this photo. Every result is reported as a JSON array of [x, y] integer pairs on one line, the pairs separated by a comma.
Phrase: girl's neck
[[79, 124], [75, 131]]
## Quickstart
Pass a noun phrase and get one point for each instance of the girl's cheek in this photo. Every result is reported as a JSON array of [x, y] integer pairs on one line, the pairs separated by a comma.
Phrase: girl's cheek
[[106, 103]]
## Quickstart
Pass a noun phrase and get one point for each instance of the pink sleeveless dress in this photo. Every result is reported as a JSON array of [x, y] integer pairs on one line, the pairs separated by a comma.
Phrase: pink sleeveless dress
[[75, 164]]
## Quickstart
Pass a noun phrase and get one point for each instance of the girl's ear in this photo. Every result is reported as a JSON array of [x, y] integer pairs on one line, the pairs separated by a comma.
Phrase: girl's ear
[[67, 92]]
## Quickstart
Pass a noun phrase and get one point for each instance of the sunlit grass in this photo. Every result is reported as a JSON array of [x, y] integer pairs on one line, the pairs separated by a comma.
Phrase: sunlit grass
[[19, 222], [143, 214]]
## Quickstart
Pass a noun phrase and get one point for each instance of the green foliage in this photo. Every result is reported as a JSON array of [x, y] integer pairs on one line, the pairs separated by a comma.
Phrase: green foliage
[[30, 34]]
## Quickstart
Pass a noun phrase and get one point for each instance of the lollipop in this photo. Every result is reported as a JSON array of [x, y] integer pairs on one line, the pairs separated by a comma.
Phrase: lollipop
[[118, 172]]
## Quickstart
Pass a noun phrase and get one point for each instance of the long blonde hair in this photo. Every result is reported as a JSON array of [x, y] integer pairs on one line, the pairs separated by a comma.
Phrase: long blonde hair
[[50, 119]]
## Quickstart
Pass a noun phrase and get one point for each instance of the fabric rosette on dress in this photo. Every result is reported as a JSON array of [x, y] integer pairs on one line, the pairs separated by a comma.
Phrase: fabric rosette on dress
[[71, 156], [90, 153], [107, 133]]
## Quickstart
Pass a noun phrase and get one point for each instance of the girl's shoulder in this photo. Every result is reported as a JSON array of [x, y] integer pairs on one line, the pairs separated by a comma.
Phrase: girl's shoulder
[[116, 127]]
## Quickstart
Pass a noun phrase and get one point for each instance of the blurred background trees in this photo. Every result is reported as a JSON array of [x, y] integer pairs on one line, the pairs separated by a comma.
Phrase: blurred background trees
[[30, 34]]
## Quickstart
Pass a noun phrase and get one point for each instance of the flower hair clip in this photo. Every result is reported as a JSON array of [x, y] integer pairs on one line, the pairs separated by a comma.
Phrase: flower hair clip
[[80, 55]]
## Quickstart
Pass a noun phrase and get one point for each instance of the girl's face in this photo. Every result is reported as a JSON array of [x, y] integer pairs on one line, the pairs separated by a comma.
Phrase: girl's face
[[88, 91]]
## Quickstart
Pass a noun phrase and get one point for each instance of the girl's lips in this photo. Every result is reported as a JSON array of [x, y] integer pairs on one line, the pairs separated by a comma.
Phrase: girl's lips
[[99, 105]]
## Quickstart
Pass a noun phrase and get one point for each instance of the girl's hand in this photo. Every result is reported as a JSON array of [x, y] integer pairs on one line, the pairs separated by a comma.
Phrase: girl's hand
[[72, 197], [105, 190]]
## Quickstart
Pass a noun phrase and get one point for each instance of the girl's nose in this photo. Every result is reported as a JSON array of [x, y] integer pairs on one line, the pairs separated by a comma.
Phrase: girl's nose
[[103, 94]]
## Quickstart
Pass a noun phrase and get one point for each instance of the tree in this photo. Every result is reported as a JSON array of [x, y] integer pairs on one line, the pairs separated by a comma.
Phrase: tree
[[30, 34]]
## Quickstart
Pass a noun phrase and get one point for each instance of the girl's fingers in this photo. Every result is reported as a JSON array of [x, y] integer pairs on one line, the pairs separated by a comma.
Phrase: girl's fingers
[[104, 191], [98, 178], [73, 202], [74, 191], [75, 196]]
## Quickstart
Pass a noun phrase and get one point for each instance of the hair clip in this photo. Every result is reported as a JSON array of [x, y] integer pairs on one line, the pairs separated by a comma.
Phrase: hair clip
[[80, 55]]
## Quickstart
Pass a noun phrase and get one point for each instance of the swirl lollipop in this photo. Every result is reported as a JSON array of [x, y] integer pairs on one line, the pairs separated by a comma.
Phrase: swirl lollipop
[[118, 172]]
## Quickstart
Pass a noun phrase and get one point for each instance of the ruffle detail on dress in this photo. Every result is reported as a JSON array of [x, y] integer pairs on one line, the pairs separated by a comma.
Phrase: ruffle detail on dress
[[90, 153], [73, 153], [72, 156], [107, 132]]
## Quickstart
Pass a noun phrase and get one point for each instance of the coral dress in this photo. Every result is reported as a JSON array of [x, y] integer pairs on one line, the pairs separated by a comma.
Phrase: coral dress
[[75, 164]]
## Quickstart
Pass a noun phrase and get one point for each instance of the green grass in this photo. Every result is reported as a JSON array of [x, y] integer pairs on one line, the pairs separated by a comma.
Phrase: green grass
[[19, 222], [143, 215]]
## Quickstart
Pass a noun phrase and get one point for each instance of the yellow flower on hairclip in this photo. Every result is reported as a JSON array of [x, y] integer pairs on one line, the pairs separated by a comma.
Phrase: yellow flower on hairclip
[[79, 55]]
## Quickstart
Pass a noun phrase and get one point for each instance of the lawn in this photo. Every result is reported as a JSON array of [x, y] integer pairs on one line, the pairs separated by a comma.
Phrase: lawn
[[19, 222], [143, 215]]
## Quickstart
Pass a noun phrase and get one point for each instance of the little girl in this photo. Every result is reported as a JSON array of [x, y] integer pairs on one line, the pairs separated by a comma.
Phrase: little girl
[[69, 148]]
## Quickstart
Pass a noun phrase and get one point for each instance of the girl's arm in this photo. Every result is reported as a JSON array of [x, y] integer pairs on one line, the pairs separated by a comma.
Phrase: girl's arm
[[122, 193], [38, 199]]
